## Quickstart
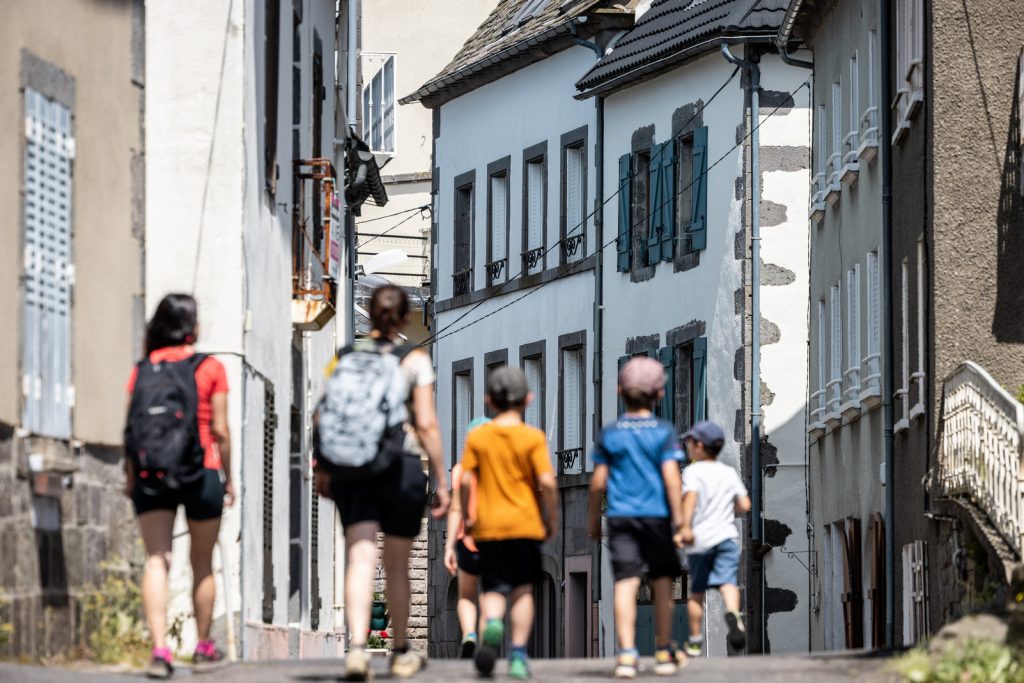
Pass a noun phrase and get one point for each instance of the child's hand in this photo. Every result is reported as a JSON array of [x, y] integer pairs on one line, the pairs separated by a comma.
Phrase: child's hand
[[451, 563], [684, 536]]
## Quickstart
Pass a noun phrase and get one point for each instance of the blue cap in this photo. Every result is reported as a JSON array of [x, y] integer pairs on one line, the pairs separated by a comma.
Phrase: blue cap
[[476, 422], [706, 432]]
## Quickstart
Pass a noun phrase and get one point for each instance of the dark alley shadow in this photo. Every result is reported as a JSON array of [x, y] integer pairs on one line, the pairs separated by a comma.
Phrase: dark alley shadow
[[1008, 321]]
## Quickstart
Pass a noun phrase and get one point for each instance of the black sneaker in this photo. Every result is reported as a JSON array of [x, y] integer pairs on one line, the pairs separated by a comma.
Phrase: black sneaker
[[737, 638], [159, 668], [468, 648], [487, 652]]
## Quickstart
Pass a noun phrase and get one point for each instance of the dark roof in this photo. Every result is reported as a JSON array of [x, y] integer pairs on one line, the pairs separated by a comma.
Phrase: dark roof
[[500, 47], [672, 31]]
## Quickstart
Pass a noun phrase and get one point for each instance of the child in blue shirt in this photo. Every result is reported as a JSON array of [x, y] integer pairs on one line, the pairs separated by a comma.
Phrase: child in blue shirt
[[636, 461]]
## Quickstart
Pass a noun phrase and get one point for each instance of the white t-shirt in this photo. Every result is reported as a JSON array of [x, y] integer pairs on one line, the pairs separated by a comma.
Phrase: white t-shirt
[[714, 520]]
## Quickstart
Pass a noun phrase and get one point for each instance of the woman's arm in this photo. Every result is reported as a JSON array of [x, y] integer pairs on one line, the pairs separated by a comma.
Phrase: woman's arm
[[222, 438], [430, 439], [454, 520]]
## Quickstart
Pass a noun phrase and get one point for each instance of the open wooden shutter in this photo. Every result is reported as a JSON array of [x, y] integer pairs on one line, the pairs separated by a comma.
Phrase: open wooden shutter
[[855, 590], [668, 206], [667, 357], [700, 379], [655, 216], [699, 190], [877, 531], [625, 204]]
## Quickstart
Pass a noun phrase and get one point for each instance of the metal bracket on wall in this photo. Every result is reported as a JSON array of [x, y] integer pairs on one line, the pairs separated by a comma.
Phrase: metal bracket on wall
[[812, 558]]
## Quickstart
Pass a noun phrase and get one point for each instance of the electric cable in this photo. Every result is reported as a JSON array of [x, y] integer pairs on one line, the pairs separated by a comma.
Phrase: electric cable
[[392, 215], [393, 227]]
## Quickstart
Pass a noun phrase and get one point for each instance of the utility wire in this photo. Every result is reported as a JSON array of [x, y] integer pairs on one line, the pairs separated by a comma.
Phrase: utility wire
[[439, 336], [392, 215], [590, 215], [393, 227]]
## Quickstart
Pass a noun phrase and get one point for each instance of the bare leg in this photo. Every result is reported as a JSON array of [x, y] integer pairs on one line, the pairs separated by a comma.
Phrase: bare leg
[[521, 615], [360, 565], [625, 612], [468, 589], [663, 607], [204, 588], [396, 566], [695, 608], [492, 605], [731, 597], [157, 530]]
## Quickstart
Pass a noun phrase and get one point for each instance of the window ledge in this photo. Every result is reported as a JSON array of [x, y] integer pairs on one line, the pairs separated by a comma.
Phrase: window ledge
[[902, 128], [835, 189], [902, 425], [850, 171], [917, 411], [834, 420], [815, 430], [870, 398], [850, 410], [914, 105], [817, 211], [869, 147]]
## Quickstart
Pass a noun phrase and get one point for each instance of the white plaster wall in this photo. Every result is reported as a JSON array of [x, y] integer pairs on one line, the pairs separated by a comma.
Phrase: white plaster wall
[[469, 141]]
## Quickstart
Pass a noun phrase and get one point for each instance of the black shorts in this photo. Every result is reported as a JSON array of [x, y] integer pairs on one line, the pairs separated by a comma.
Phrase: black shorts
[[467, 560], [203, 498], [506, 565], [395, 501], [642, 545]]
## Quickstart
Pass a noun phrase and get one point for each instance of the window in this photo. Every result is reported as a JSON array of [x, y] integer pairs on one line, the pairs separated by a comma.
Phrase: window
[[379, 102], [920, 375], [835, 160], [530, 9], [531, 359], [574, 195], [462, 270], [903, 393], [851, 142], [817, 209], [872, 362], [835, 385], [641, 208], [497, 221], [915, 593], [269, 440], [819, 398], [572, 402], [868, 149], [462, 405], [48, 276], [271, 67], [686, 385], [535, 203], [909, 64], [493, 361], [853, 336], [660, 214]]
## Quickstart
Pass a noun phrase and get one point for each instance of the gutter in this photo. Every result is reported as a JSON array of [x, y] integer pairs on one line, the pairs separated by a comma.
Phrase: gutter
[[788, 22]]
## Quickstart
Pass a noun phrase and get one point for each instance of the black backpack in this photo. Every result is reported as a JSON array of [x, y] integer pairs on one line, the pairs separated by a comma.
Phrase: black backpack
[[162, 433]]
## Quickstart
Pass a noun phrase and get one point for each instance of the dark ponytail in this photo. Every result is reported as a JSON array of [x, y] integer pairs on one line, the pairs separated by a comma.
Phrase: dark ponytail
[[389, 309], [173, 324]]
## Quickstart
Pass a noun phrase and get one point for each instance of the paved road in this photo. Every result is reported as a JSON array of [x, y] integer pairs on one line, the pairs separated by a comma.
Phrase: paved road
[[813, 669]]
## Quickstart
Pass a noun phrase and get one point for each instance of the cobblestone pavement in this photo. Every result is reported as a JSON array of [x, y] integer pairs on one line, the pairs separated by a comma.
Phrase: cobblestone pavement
[[833, 668]]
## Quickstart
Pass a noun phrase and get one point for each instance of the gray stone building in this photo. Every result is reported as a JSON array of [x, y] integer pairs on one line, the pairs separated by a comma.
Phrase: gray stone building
[[72, 179]]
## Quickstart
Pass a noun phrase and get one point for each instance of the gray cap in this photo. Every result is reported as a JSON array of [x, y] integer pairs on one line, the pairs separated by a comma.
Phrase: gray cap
[[507, 385], [706, 432]]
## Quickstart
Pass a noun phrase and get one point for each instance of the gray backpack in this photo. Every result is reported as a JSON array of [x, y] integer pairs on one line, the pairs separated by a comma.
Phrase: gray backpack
[[360, 419]]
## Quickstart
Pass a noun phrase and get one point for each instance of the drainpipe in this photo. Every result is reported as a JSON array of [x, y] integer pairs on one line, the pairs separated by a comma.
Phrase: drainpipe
[[351, 102], [756, 474], [887, 359]]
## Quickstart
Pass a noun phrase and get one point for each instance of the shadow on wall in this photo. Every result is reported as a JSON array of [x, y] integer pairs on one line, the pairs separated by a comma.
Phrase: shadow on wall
[[1008, 322]]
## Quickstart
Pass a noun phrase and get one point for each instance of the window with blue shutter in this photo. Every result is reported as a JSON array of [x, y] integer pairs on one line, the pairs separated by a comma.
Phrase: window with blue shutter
[[699, 190], [655, 216], [667, 357], [625, 209], [667, 206], [700, 378]]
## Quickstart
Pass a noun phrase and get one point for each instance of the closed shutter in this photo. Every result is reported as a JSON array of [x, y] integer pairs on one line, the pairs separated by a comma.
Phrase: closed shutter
[[534, 369], [463, 412], [49, 271], [572, 376], [573, 191], [667, 357], [699, 190], [388, 106], [655, 216], [625, 205], [667, 209], [535, 205], [499, 216], [700, 378]]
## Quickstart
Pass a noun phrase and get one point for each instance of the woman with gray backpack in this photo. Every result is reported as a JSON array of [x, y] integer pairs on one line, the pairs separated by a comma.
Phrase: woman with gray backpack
[[377, 414]]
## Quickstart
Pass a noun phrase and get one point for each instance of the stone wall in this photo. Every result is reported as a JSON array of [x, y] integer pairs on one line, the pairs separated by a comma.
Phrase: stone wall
[[47, 573], [418, 571]]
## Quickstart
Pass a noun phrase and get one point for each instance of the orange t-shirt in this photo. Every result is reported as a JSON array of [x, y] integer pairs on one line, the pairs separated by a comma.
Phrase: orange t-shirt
[[211, 379], [507, 461], [460, 534]]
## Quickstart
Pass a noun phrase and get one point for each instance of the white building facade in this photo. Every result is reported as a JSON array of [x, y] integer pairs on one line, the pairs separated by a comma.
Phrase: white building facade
[[231, 219]]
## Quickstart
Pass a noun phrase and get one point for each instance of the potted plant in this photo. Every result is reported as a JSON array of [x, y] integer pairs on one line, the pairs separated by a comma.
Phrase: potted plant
[[377, 639], [378, 642]]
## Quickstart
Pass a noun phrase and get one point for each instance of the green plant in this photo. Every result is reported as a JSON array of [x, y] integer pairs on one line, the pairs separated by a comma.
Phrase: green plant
[[377, 640], [6, 628], [112, 618], [1020, 393], [980, 661]]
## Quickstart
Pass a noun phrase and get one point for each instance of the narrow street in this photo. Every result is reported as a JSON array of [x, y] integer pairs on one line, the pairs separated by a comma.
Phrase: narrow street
[[807, 669]]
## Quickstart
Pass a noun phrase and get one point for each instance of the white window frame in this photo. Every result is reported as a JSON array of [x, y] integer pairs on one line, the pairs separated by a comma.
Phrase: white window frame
[[909, 65], [535, 207], [818, 181], [818, 398], [462, 381], [534, 414], [498, 223], [573, 207], [903, 393], [871, 380], [851, 406], [380, 120], [868, 149], [833, 416], [851, 144], [920, 376], [835, 160], [576, 409], [48, 276]]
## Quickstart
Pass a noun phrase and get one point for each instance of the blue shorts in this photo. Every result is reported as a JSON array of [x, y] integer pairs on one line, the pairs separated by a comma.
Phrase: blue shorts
[[714, 568]]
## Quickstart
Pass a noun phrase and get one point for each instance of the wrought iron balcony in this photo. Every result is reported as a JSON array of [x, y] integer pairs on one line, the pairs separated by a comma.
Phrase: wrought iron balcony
[[462, 282], [531, 258], [570, 461], [572, 246], [495, 270]]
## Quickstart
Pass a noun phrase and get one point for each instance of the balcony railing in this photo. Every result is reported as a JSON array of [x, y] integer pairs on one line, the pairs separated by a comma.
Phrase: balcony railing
[[570, 461], [981, 434], [462, 282], [572, 247], [531, 258], [495, 270]]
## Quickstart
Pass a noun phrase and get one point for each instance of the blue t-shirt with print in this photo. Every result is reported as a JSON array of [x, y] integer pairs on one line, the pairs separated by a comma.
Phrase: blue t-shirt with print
[[634, 449]]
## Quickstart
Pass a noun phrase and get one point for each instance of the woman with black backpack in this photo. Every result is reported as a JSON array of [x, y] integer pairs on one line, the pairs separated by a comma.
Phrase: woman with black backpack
[[178, 452], [377, 484]]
